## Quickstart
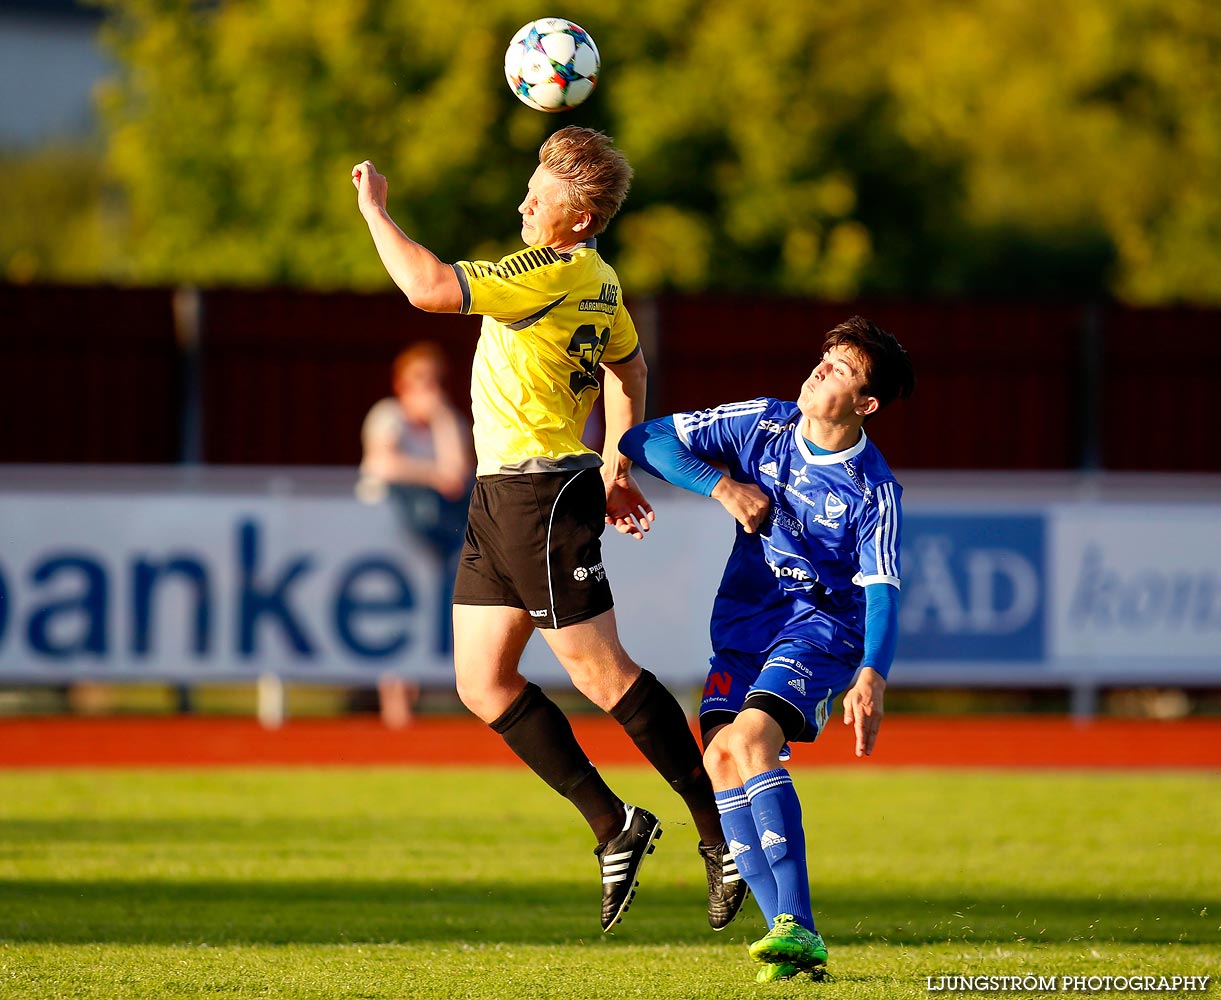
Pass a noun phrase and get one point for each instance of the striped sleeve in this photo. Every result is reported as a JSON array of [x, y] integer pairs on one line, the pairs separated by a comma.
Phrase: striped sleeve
[[878, 540], [722, 430], [512, 289], [655, 447]]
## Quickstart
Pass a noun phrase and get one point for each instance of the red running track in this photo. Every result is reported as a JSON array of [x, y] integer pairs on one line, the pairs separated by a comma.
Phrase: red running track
[[905, 741]]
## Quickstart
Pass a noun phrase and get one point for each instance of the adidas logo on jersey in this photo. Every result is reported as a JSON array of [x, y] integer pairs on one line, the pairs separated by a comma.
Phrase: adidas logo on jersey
[[798, 684], [769, 469], [736, 847], [771, 839]]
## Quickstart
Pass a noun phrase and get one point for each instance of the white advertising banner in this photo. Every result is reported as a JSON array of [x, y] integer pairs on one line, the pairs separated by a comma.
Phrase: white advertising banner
[[184, 587], [191, 581], [198, 588], [1137, 586]]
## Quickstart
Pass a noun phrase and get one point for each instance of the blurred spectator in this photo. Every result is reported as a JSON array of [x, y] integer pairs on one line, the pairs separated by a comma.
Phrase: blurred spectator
[[417, 452]]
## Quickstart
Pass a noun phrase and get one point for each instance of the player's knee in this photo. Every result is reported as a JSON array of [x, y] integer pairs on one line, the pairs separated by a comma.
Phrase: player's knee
[[482, 700], [739, 746], [720, 765], [751, 754], [472, 698], [602, 680]]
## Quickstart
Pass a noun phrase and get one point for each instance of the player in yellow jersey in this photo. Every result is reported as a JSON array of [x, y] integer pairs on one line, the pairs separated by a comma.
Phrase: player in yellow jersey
[[555, 333]]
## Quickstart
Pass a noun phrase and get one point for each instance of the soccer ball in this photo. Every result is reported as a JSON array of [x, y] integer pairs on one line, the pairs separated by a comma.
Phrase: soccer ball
[[552, 64]]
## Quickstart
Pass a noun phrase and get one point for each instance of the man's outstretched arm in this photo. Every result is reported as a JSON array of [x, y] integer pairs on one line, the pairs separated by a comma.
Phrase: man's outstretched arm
[[429, 283], [656, 447]]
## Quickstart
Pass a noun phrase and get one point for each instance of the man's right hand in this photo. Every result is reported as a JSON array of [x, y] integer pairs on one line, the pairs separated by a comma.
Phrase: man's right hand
[[748, 504], [371, 187]]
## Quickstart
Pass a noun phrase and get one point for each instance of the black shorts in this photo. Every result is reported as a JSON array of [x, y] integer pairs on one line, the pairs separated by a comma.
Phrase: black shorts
[[533, 542]]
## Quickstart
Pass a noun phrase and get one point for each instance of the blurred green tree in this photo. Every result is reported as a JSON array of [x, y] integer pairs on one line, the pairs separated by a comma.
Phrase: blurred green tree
[[1089, 136], [882, 147], [234, 127], [58, 215]]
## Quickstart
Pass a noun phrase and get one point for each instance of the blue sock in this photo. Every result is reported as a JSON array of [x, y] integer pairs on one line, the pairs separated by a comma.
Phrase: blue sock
[[739, 827], [777, 815]]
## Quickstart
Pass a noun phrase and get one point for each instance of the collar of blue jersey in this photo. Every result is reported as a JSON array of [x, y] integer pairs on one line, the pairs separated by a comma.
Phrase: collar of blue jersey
[[831, 458]]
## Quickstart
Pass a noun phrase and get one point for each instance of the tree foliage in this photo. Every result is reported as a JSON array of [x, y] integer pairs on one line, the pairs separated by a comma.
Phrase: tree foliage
[[882, 147], [58, 216]]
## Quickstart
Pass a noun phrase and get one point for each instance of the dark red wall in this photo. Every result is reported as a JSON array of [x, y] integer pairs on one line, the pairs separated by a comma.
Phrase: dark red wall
[[996, 386], [87, 375], [285, 378]]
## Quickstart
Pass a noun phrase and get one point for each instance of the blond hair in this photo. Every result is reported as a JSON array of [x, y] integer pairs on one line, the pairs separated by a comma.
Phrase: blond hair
[[596, 175]]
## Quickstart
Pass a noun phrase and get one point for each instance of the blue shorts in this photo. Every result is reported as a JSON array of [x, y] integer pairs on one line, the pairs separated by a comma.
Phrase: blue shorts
[[794, 682]]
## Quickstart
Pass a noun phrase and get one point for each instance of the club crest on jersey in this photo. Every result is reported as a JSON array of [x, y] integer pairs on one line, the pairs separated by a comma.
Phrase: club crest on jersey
[[834, 506]]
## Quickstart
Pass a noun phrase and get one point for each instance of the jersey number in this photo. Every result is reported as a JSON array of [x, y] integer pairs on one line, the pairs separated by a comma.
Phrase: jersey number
[[586, 347]]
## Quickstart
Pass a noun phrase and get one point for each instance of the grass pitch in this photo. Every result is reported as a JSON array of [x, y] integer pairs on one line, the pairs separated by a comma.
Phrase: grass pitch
[[458, 883]]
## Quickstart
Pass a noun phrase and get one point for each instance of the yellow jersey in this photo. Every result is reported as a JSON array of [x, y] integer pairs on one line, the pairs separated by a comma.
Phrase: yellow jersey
[[549, 320]]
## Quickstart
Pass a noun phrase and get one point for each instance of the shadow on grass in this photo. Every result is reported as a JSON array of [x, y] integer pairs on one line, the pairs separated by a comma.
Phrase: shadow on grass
[[487, 913]]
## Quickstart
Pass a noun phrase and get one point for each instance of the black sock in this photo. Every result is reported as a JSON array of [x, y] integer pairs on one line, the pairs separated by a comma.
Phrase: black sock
[[536, 730], [655, 721]]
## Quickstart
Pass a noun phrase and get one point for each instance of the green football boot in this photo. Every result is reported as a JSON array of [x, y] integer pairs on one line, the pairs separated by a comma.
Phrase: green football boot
[[790, 943], [776, 972]]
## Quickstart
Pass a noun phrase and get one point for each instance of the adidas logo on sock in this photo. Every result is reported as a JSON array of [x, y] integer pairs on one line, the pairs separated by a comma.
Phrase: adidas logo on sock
[[736, 847], [770, 839]]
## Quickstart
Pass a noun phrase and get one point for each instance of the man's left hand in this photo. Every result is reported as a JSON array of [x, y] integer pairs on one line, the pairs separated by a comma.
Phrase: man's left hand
[[863, 708], [627, 511]]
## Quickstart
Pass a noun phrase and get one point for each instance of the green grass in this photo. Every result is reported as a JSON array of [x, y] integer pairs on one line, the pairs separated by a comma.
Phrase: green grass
[[413, 883]]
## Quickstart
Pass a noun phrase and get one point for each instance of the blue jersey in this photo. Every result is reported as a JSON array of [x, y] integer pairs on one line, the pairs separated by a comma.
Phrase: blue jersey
[[833, 529]]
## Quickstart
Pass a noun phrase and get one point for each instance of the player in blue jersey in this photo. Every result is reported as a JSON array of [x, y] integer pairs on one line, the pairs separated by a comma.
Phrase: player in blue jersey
[[807, 606]]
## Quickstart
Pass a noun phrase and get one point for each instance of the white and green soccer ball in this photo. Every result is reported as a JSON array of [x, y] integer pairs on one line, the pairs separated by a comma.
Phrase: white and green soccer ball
[[552, 64]]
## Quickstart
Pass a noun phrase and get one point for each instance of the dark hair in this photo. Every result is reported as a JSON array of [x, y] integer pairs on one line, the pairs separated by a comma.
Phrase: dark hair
[[888, 370]]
